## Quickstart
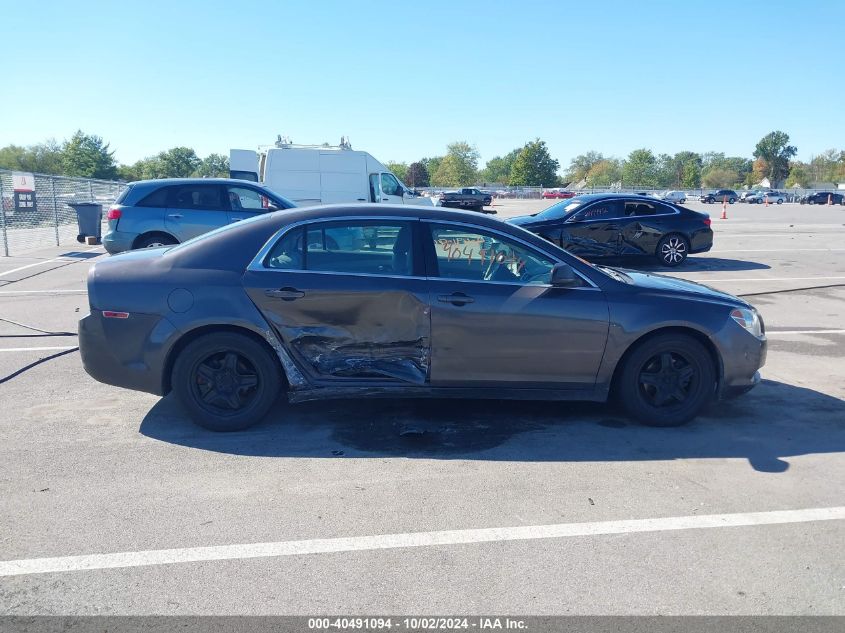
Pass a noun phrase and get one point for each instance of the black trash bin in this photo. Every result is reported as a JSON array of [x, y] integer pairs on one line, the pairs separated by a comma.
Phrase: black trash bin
[[89, 216]]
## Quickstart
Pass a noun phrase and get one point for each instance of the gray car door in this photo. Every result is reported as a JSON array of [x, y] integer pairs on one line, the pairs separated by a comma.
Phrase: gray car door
[[348, 300], [194, 209], [495, 321]]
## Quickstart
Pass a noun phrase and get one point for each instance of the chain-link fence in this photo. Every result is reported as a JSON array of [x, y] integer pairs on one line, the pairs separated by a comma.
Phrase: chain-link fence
[[36, 211]]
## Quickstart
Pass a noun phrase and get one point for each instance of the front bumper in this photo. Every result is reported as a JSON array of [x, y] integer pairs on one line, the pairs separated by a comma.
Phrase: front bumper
[[743, 356], [117, 242], [128, 353]]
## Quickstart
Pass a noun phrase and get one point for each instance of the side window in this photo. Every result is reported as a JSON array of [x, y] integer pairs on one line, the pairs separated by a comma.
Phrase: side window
[[639, 208], [157, 198], [362, 246], [196, 197], [477, 255], [604, 210], [287, 253], [246, 199], [390, 186]]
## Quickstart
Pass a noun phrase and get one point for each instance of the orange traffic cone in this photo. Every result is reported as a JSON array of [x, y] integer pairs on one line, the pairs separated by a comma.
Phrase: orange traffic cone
[[766, 199], [724, 210], [829, 200]]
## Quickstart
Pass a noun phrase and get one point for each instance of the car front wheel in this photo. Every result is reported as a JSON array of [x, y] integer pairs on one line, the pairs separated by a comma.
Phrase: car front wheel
[[226, 381], [672, 250], [667, 380]]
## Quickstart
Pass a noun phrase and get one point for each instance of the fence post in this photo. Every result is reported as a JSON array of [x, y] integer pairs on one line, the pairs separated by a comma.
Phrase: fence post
[[90, 192], [3, 220], [55, 209]]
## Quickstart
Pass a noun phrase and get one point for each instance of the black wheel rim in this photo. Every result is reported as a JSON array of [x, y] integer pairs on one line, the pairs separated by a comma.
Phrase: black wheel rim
[[225, 383], [674, 250], [667, 379]]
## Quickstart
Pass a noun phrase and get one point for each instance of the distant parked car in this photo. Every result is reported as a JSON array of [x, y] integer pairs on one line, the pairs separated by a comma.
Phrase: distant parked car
[[743, 197], [678, 197], [759, 197], [467, 198], [153, 213], [559, 194], [621, 225], [719, 196], [822, 197]]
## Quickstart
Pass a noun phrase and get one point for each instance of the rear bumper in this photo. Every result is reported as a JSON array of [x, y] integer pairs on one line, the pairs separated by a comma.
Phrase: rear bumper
[[128, 353], [117, 242]]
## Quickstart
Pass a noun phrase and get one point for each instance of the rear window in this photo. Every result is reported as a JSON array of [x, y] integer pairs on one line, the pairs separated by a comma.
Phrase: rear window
[[123, 195], [157, 198]]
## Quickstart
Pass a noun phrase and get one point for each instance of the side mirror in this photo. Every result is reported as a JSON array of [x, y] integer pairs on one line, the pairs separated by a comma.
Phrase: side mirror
[[564, 277], [271, 208]]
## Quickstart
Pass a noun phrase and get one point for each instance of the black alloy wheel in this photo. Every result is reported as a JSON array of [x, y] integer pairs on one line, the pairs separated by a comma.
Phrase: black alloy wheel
[[226, 381], [666, 380]]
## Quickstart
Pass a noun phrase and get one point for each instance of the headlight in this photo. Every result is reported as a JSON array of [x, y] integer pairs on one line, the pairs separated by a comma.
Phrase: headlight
[[748, 319]]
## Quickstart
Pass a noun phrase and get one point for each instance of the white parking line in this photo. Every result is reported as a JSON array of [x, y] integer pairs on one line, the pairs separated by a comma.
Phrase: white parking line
[[46, 261], [791, 332], [720, 279], [36, 349], [42, 292], [413, 539]]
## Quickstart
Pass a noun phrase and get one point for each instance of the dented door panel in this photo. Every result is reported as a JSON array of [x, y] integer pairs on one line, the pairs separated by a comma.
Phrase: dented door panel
[[348, 327]]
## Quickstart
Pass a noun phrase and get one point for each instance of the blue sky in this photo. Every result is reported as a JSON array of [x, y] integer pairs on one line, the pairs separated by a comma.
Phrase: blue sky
[[403, 79]]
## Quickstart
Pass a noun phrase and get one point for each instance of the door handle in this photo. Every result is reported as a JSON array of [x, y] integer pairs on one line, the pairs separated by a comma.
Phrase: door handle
[[236, 219], [456, 299], [285, 294], [175, 215]]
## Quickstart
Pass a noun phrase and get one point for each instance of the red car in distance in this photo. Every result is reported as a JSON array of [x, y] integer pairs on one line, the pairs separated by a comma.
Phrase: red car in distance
[[559, 194]]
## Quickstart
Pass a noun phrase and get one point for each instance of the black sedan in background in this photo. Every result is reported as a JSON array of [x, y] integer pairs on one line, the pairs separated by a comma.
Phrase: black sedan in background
[[620, 225], [372, 300], [822, 197]]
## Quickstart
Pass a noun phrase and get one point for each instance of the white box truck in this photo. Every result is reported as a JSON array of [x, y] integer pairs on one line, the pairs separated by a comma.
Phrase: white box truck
[[321, 174]]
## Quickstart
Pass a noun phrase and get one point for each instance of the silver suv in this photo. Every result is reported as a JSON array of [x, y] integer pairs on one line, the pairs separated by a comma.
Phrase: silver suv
[[152, 213]]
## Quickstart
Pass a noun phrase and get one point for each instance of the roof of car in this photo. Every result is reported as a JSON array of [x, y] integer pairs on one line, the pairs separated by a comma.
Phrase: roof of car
[[194, 181]]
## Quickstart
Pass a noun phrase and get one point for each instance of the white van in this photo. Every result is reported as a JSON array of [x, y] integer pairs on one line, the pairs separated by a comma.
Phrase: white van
[[320, 174]]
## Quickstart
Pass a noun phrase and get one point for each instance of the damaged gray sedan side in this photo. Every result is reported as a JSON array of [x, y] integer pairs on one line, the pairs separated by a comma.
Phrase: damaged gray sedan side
[[364, 300]]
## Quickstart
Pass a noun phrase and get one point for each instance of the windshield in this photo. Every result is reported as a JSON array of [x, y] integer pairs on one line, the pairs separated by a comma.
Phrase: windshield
[[560, 210]]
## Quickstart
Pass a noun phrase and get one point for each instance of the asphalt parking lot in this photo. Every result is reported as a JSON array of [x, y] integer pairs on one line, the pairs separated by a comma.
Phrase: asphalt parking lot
[[320, 508]]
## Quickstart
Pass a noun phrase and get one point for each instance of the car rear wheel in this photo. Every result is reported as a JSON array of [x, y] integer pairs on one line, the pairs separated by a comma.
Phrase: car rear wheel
[[731, 200], [672, 250], [667, 380], [226, 381], [780, 201], [155, 240]]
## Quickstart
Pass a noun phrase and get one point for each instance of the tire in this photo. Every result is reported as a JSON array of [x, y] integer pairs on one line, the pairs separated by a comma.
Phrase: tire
[[780, 201], [731, 200], [672, 250], [669, 397], [155, 240], [206, 374]]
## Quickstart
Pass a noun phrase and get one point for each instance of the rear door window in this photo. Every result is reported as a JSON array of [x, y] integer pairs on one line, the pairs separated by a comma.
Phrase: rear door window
[[157, 198], [197, 197]]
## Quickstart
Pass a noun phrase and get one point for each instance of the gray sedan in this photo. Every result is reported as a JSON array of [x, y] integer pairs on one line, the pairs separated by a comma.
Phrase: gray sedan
[[423, 303]]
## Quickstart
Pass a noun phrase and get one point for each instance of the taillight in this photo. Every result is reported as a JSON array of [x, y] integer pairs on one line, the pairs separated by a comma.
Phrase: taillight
[[111, 314], [114, 214], [707, 221]]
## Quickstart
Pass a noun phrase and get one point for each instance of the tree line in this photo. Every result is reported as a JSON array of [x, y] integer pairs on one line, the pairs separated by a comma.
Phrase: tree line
[[89, 156]]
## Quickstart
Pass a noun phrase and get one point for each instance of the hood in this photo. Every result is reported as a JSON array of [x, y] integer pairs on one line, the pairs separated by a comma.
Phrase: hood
[[665, 284], [523, 220]]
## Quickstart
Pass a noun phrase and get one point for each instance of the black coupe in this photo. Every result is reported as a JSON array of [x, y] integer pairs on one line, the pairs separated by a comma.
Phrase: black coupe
[[619, 225]]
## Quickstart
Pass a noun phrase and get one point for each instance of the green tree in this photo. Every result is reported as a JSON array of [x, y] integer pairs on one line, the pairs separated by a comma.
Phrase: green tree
[[498, 168], [43, 158], [534, 166], [799, 174], [458, 167], [86, 155], [605, 173], [400, 170], [720, 178], [431, 165], [681, 171], [178, 162], [213, 166], [640, 170], [581, 165], [775, 149], [417, 175]]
